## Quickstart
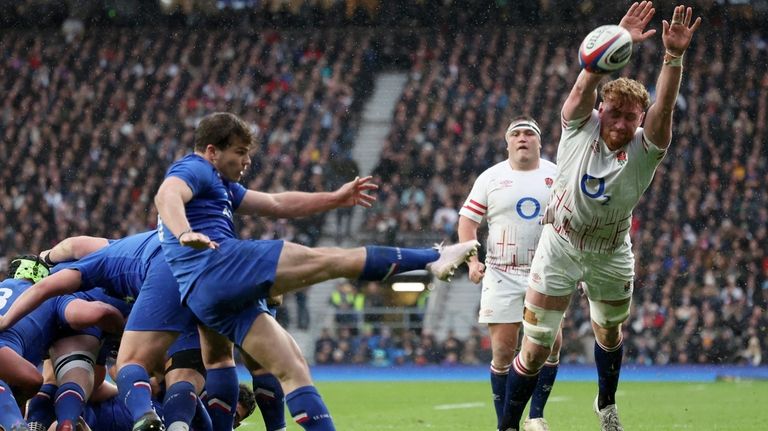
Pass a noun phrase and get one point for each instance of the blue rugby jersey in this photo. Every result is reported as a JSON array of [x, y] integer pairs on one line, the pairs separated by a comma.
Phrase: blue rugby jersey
[[214, 199]]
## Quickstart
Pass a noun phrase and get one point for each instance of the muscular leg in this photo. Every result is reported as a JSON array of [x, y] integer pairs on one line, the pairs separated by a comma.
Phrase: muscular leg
[[607, 317], [222, 385], [270, 397], [272, 347], [140, 353], [504, 337], [19, 374], [301, 266], [540, 330], [547, 377], [73, 359]]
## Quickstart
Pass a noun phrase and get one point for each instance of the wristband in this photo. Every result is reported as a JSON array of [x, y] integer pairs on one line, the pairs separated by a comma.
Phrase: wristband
[[673, 60], [182, 234], [48, 261]]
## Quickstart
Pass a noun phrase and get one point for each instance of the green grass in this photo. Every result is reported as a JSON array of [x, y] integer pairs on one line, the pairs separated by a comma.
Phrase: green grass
[[406, 406]]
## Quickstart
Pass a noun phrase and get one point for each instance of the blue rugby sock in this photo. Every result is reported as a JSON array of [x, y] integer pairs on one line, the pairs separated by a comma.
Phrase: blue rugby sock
[[520, 385], [499, 389], [201, 421], [222, 388], [271, 401], [309, 410], [381, 262], [135, 390], [69, 402], [547, 377], [9, 410], [40, 409], [608, 364], [180, 403]]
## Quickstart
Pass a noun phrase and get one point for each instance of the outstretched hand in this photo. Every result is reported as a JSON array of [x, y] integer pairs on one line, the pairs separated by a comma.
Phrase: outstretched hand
[[676, 35], [355, 193], [636, 20]]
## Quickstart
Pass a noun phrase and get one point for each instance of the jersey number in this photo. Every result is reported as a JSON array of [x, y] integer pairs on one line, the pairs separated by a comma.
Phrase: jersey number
[[589, 189], [5, 294]]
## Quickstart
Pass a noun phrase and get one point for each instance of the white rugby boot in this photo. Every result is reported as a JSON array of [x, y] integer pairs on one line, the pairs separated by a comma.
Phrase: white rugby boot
[[609, 417], [535, 424], [451, 256]]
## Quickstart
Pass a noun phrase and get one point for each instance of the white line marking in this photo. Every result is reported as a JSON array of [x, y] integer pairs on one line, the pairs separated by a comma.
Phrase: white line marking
[[459, 406]]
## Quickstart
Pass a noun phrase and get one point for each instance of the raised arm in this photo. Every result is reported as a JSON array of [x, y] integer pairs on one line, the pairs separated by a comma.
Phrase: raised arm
[[170, 199], [676, 37], [581, 99], [302, 204], [61, 283]]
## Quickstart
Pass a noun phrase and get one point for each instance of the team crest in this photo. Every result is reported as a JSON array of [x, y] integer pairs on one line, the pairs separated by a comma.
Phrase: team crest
[[621, 157], [548, 182]]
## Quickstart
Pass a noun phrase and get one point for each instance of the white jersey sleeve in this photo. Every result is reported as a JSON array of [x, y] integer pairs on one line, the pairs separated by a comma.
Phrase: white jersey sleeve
[[512, 202], [596, 189]]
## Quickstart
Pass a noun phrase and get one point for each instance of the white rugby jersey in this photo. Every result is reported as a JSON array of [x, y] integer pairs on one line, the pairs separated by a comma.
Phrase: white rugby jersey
[[596, 189], [513, 203]]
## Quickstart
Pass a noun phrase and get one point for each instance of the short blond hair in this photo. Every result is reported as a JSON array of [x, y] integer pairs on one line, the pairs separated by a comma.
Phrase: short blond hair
[[626, 91]]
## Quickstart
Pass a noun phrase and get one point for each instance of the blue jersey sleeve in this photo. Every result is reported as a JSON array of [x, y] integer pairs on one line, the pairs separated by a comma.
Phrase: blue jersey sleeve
[[238, 193], [191, 172]]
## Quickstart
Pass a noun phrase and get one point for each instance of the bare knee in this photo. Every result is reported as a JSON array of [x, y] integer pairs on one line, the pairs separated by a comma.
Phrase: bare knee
[[504, 338], [534, 355], [607, 317], [607, 337]]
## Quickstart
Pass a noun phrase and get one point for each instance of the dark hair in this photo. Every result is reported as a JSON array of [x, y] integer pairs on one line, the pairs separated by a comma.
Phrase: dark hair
[[220, 129], [247, 399]]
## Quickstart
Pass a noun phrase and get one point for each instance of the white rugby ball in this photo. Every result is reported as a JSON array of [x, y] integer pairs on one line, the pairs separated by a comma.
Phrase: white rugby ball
[[605, 49]]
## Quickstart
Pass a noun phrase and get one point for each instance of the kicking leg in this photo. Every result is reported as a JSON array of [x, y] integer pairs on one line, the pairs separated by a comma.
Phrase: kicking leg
[[301, 266]]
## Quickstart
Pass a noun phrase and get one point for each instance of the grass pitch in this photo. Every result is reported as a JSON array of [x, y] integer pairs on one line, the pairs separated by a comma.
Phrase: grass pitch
[[412, 406]]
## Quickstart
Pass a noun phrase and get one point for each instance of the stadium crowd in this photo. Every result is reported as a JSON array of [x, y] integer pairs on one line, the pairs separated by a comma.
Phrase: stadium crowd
[[87, 130]]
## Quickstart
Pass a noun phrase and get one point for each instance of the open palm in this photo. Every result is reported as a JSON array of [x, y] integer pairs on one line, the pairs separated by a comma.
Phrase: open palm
[[676, 35], [636, 20]]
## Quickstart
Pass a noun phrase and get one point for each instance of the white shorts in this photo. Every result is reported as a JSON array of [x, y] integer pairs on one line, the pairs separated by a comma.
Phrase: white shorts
[[557, 267], [502, 297]]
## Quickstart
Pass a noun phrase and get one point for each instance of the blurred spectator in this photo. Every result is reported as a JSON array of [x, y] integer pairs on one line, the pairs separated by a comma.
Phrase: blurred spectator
[[347, 304]]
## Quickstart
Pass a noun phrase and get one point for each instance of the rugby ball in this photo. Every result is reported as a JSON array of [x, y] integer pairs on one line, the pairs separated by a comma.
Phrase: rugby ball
[[606, 49]]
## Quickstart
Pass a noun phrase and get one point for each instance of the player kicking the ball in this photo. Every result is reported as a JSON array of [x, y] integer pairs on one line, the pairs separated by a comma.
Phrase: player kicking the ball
[[222, 278], [605, 161]]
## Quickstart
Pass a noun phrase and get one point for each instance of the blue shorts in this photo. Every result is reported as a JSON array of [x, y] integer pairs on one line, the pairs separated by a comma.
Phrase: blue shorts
[[12, 341], [232, 292], [158, 307], [186, 341]]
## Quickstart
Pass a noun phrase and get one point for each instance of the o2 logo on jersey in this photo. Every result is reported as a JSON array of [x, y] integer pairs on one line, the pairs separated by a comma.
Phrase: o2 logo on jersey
[[594, 188], [528, 208]]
